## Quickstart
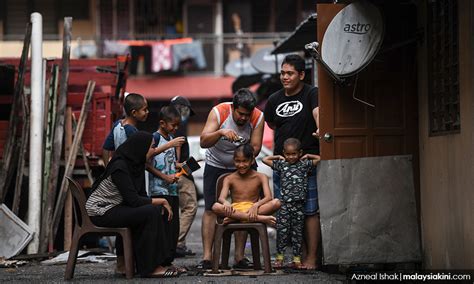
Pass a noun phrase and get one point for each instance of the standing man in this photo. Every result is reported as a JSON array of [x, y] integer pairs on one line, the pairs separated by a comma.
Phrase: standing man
[[293, 113], [228, 126], [186, 187]]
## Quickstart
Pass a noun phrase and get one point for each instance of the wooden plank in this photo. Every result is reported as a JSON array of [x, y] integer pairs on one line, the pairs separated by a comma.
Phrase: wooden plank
[[50, 128], [81, 78], [68, 202], [9, 155], [83, 153], [25, 132], [59, 124], [71, 160]]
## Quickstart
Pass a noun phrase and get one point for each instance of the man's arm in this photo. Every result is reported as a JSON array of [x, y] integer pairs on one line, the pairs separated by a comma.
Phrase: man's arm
[[211, 132], [316, 119], [257, 137]]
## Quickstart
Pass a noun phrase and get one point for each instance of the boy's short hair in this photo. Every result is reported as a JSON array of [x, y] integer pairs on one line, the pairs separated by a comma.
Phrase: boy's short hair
[[246, 150], [296, 61], [168, 113], [244, 98], [294, 142], [133, 101]]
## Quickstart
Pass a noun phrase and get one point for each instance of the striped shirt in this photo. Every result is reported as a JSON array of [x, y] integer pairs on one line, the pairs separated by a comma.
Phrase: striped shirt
[[105, 197]]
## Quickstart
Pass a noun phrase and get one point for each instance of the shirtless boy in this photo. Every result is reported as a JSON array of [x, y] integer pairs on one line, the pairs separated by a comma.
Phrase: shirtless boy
[[244, 186]]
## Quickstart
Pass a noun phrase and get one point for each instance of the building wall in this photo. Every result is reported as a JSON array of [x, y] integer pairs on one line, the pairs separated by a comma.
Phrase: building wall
[[447, 163], [51, 48]]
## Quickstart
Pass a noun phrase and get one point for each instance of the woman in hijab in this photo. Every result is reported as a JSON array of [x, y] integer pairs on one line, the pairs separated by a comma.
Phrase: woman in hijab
[[119, 199]]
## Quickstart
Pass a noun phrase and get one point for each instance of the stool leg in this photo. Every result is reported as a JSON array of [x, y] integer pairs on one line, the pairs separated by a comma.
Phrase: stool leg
[[265, 249], [226, 248], [128, 254], [217, 248], [255, 249], [72, 258]]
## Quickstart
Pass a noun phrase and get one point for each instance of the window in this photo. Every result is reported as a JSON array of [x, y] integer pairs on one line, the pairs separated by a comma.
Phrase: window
[[443, 67], [18, 15], [78, 10]]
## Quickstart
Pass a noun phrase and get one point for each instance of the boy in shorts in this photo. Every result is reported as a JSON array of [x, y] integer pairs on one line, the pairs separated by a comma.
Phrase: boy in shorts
[[244, 187]]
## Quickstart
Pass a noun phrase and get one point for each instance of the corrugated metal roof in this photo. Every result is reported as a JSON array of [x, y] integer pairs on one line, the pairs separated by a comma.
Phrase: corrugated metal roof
[[303, 34]]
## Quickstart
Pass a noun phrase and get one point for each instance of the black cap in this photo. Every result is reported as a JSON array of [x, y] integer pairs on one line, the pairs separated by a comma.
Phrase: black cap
[[178, 100]]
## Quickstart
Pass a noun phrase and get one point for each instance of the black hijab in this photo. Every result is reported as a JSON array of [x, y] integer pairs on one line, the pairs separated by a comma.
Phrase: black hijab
[[130, 157]]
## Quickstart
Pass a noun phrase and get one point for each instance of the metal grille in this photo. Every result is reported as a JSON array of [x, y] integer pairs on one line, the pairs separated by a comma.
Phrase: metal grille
[[443, 67]]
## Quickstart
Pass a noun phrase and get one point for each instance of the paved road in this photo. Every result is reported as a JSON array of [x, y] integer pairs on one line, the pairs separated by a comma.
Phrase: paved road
[[104, 272]]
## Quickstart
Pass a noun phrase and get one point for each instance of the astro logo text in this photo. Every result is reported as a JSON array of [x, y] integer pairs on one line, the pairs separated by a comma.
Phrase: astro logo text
[[288, 109], [357, 28]]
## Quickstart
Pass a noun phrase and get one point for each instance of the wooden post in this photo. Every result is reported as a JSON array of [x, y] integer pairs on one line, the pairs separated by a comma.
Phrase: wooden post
[[10, 156], [26, 123], [71, 160], [68, 202], [59, 124]]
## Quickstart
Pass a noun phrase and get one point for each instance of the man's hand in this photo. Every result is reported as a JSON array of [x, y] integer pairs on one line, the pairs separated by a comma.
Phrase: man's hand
[[229, 134], [228, 209], [253, 212], [316, 134]]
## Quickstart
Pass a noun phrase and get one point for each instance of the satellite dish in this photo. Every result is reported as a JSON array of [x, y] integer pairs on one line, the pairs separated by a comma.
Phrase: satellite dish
[[240, 67], [353, 38], [265, 62], [351, 41]]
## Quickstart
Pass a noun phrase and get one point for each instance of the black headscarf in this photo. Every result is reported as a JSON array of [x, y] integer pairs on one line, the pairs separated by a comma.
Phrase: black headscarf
[[130, 157]]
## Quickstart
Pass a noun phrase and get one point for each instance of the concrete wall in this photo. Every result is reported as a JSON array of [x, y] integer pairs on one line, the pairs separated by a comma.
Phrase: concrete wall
[[447, 163], [51, 48], [84, 29]]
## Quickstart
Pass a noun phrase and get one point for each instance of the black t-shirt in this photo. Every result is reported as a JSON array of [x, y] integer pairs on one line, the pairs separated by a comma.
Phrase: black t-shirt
[[293, 118]]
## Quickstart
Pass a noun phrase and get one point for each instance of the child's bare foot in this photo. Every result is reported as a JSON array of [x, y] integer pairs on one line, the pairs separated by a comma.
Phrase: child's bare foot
[[228, 220], [269, 220]]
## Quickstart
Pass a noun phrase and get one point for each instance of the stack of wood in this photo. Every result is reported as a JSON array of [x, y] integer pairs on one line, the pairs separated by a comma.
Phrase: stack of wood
[[63, 137]]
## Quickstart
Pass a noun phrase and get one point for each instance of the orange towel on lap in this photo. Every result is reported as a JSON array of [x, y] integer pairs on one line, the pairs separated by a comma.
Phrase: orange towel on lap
[[242, 206]]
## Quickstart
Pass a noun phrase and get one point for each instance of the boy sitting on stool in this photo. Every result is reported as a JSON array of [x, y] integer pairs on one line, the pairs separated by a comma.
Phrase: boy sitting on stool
[[244, 186]]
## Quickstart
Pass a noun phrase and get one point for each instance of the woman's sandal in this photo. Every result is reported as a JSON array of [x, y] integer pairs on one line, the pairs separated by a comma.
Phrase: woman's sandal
[[180, 269], [170, 272]]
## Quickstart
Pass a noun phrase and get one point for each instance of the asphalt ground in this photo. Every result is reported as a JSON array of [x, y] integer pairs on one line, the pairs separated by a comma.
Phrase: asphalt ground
[[35, 272]]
